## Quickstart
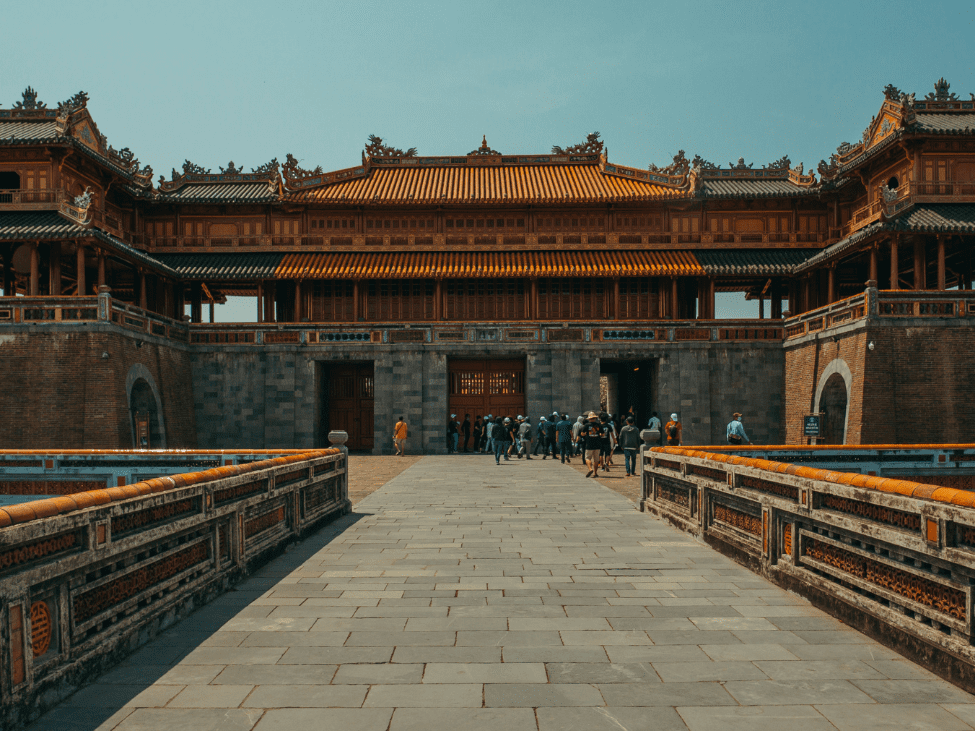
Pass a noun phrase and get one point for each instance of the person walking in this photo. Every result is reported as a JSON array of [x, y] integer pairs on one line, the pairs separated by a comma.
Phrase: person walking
[[630, 442], [736, 432], [551, 443], [452, 434], [591, 435], [612, 439], [399, 436], [654, 423], [540, 438], [563, 432], [465, 429], [525, 436], [673, 431], [489, 433], [476, 434], [576, 441], [502, 439], [604, 440]]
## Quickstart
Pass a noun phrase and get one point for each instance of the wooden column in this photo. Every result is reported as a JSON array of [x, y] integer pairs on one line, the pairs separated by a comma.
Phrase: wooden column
[[5, 274], [355, 301], [712, 287], [297, 300], [260, 301], [143, 295], [438, 301], [674, 304], [213, 307], [941, 263], [534, 310], [616, 298], [167, 295], [831, 285], [54, 273], [101, 269], [806, 295], [920, 266], [80, 259], [776, 293], [895, 277], [35, 271], [196, 302], [872, 274], [761, 306]]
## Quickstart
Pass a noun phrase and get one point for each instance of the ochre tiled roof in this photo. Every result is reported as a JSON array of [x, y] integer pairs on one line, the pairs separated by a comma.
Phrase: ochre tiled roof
[[536, 183], [485, 264]]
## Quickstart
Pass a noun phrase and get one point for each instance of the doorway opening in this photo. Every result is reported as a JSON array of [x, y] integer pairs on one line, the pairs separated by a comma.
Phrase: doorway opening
[[146, 429], [347, 403], [626, 385], [832, 405]]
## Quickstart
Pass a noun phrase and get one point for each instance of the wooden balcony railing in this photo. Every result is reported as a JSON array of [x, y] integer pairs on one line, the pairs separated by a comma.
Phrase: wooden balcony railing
[[44, 199], [888, 304]]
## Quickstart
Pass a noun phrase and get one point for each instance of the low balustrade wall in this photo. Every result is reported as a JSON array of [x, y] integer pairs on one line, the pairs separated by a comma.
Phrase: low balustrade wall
[[85, 578], [893, 558]]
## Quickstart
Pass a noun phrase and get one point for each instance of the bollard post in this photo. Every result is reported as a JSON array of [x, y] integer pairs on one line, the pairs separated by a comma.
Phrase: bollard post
[[649, 436], [338, 439]]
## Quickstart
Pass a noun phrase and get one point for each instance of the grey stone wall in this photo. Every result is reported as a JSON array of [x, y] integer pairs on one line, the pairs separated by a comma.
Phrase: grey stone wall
[[270, 397], [705, 383]]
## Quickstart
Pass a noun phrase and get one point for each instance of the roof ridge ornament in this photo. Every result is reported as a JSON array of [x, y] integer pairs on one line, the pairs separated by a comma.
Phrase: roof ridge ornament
[[74, 103], [484, 149], [29, 100], [377, 148], [269, 168], [592, 144], [741, 165], [680, 166], [783, 163], [941, 93], [700, 162], [293, 171], [231, 169]]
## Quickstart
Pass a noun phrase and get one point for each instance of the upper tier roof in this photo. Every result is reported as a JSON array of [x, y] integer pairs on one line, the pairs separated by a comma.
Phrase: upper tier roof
[[483, 184]]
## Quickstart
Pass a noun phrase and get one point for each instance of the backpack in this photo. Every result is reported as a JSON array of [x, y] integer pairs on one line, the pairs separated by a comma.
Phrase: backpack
[[672, 432]]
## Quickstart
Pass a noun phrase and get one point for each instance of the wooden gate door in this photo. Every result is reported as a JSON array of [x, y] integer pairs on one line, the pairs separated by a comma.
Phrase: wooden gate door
[[350, 399], [481, 387]]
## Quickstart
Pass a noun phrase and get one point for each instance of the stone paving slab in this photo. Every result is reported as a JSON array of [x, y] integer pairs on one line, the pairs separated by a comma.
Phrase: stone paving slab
[[522, 597]]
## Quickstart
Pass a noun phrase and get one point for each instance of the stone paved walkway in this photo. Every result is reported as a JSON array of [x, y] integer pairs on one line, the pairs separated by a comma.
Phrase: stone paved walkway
[[466, 596]]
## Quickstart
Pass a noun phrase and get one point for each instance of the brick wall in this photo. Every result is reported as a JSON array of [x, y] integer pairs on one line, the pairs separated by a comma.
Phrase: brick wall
[[916, 386], [58, 390]]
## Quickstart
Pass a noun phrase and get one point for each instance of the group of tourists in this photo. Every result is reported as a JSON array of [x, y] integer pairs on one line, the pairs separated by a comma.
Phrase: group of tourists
[[594, 436]]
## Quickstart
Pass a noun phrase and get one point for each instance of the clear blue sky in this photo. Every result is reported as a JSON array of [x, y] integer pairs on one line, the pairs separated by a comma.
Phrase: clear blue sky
[[248, 81]]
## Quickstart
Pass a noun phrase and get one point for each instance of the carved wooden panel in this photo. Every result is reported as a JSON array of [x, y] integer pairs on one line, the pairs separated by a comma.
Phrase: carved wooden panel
[[41, 628], [945, 599]]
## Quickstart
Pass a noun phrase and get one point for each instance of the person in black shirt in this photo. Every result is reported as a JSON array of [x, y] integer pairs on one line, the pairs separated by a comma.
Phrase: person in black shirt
[[465, 429], [476, 434], [591, 434], [605, 445], [452, 434]]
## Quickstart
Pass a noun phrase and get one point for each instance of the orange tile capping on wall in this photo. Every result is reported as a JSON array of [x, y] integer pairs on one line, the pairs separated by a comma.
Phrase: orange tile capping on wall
[[37, 509], [905, 488]]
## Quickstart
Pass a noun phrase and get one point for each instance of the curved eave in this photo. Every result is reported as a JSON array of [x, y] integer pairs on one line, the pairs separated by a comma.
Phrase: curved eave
[[873, 151]]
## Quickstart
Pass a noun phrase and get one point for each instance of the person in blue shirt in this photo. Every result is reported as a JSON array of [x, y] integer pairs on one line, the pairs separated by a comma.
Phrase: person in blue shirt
[[563, 431], [736, 432]]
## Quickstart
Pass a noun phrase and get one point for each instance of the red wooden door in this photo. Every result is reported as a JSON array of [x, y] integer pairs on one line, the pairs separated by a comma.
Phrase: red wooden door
[[350, 399], [481, 387]]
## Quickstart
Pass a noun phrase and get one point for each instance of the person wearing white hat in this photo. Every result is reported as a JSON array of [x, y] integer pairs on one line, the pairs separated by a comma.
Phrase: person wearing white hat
[[488, 431], [540, 437], [673, 431]]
